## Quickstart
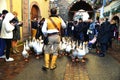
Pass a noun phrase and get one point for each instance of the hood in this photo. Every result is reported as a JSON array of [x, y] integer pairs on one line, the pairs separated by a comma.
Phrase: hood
[[9, 16]]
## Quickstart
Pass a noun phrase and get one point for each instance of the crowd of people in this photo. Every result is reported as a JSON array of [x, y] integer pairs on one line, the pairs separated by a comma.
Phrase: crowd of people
[[100, 33], [9, 34]]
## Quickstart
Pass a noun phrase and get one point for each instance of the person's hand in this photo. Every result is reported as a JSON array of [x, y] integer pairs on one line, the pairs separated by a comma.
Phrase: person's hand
[[20, 23], [12, 24]]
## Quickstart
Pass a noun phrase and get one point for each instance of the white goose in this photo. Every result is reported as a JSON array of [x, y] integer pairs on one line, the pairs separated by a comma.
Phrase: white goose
[[68, 47], [30, 44], [38, 49], [63, 45], [74, 54], [73, 45], [81, 52], [34, 43], [25, 54], [61, 49], [27, 46], [86, 48]]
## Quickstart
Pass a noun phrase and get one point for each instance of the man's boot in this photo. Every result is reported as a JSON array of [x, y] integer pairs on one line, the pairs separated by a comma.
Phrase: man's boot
[[47, 59], [53, 62]]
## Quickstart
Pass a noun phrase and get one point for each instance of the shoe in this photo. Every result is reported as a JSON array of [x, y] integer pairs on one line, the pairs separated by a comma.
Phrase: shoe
[[83, 60], [3, 56], [10, 59], [53, 67], [44, 68], [14, 51], [101, 55]]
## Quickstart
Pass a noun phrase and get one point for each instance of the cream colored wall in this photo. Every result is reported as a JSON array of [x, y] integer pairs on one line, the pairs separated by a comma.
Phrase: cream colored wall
[[8, 5], [15, 5], [3, 6], [17, 8], [44, 8]]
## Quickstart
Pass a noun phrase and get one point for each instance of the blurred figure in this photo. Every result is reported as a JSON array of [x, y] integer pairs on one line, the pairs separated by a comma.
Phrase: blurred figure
[[16, 33], [75, 23], [39, 29], [2, 41], [51, 29], [103, 37], [92, 32], [7, 33], [112, 29], [4, 12], [69, 28], [79, 29], [34, 24]]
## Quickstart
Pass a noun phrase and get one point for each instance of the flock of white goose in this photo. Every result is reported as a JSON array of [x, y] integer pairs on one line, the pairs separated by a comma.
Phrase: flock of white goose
[[67, 46]]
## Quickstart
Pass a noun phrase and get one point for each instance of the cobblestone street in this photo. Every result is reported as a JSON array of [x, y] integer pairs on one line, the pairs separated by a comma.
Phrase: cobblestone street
[[76, 71], [94, 69]]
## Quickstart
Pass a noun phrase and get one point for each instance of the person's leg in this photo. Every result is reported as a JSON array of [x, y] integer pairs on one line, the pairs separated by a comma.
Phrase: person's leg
[[53, 62], [56, 40], [34, 31], [47, 49], [47, 61], [14, 45], [103, 48], [110, 43], [8, 46]]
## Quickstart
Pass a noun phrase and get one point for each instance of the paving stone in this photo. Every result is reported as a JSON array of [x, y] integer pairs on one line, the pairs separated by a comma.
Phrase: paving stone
[[68, 71], [77, 70]]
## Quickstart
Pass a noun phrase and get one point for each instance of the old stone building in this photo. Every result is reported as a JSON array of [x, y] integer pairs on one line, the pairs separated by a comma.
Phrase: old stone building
[[67, 8], [27, 10]]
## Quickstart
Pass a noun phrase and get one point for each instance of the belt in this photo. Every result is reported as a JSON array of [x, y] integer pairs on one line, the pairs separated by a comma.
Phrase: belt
[[50, 34]]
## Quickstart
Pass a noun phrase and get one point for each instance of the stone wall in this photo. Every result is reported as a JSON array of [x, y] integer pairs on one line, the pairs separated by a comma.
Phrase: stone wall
[[63, 8]]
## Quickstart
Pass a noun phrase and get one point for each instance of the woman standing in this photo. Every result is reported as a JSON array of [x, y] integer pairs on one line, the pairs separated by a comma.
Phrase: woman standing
[[39, 31], [7, 34], [16, 33]]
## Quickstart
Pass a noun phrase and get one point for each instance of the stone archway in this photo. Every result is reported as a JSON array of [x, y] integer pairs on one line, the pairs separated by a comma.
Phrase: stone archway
[[35, 16], [76, 6], [68, 7]]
